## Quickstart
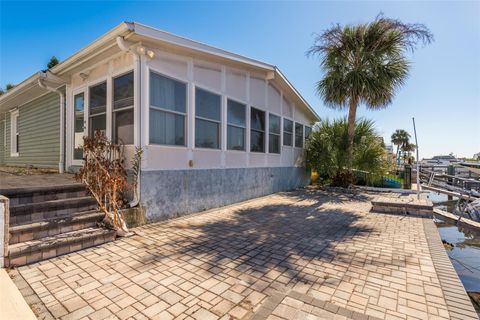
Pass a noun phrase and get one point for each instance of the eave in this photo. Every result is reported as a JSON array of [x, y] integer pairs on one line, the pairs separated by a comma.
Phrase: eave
[[136, 32]]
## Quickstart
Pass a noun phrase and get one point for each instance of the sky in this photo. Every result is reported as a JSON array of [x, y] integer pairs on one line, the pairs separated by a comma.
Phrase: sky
[[442, 92]]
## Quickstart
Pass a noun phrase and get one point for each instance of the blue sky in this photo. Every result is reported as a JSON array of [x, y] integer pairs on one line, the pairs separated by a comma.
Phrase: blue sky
[[442, 93]]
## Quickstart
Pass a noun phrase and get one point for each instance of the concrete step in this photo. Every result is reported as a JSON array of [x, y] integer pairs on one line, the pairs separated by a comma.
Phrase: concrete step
[[33, 212], [403, 205], [49, 247], [18, 196], [50, 227]]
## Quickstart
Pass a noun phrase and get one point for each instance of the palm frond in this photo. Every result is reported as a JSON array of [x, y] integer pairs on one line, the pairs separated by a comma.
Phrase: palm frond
[[367, 62]]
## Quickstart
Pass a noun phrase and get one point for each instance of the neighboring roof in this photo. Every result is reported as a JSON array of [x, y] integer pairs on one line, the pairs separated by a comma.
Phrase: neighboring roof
[[100, 47]]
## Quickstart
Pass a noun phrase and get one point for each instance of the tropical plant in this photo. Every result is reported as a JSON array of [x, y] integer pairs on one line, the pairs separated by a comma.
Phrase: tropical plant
[[327, 148], [52, 63], [399, 138], [105, 176], [365, 64], [407, 148], [9, 86]]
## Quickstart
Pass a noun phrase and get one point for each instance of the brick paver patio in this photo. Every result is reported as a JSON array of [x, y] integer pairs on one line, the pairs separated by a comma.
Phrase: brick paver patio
[[300, 255]]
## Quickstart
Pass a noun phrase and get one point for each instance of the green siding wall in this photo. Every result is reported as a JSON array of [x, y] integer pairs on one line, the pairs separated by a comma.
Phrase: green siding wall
[[39, 133], [2, 141]]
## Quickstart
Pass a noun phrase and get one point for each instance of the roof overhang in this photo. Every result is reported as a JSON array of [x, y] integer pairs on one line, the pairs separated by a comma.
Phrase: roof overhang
[[106, 46], [30, 89]]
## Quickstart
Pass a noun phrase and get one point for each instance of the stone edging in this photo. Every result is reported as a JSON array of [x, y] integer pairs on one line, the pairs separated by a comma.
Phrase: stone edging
[[30, 296], [458, 303], [275, 299]]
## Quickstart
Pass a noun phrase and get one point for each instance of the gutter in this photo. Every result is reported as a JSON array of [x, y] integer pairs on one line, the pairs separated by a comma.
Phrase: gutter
[[41, 83]]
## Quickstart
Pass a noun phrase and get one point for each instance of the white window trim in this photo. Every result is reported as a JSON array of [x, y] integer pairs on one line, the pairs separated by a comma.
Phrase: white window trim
[[265, 131], [185, 114], [304, 133], [13, 138], [219, 122], [277, 134], [107, 112], [236, 126], [131, 107], [295, 135], [288, 132], [79, 90]]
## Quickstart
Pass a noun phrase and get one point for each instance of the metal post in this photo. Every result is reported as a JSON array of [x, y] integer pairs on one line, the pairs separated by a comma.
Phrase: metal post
[[418, 161]]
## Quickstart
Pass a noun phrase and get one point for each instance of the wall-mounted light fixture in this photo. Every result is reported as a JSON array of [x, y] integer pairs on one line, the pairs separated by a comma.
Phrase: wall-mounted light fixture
[[84, 75]]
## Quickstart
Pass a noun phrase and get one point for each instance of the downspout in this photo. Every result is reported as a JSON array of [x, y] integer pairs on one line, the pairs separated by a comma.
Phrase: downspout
[[137, 102], [61, 163]]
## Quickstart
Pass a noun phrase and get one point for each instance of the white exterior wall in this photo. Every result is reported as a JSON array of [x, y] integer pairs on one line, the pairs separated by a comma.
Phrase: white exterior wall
[[250, 89], [240, 85], [104, 71]]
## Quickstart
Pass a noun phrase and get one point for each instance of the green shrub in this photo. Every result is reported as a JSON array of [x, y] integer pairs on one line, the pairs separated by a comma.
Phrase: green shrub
[[327, 151]]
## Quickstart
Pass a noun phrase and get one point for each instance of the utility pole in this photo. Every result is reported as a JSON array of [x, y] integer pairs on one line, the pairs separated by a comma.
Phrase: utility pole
[[418, 161]]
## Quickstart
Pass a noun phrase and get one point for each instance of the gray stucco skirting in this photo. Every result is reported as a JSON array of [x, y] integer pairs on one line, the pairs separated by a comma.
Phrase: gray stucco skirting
[[171, 193], [458, 303]]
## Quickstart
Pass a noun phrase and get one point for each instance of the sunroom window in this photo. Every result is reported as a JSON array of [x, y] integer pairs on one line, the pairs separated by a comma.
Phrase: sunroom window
[[97, 108], [287, 132], [236, 118], [207, 119], [308, 132], [168, 104], [123, 109], [273, 133], [257, 130], [298, 135]]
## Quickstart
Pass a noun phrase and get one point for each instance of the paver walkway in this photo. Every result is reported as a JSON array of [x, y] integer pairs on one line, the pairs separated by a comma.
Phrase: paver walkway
[[13, 181], [300, 255]]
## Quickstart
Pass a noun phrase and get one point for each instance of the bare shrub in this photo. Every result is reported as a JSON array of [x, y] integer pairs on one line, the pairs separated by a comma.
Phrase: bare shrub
[[105, 176]]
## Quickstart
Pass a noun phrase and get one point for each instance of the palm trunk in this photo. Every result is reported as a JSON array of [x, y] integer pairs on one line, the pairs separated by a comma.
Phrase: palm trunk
[[352, 114]]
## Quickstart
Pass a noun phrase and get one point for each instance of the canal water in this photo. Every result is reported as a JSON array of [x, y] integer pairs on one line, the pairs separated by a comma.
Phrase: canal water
[[462, 245]]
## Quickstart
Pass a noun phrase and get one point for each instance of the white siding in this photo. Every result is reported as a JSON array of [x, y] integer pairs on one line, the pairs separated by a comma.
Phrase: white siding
[[254, 90], [236, 84]]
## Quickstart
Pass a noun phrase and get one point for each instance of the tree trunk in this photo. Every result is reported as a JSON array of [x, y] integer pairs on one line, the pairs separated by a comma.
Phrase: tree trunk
[[352, 114]]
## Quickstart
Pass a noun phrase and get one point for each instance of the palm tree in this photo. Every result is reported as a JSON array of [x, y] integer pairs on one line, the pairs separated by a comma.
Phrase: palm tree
[[326, 148], [399, 138], [407, 148], [365, 64]]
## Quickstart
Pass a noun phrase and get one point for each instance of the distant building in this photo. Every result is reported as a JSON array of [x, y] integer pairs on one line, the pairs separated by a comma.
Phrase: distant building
[[389, 148], [476, 156]]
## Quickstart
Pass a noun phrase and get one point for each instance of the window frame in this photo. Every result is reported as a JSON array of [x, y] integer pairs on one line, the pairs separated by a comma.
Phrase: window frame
[[280, 134], [305, 133], [123, 108], [236, 125], [184, 114], [288, 132], [295, 134], [256, 130], [79, 91], [14, 139], [219, 122], [88, 96]]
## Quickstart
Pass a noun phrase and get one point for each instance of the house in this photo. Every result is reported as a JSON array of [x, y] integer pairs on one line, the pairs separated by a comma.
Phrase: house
[[216, 127]]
